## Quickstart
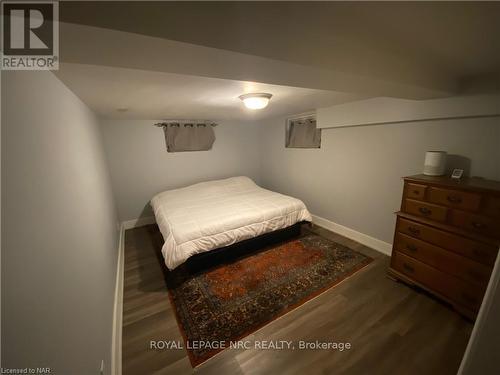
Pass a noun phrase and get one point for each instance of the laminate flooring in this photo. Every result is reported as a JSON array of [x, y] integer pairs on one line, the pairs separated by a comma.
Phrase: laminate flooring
[[392, 328]]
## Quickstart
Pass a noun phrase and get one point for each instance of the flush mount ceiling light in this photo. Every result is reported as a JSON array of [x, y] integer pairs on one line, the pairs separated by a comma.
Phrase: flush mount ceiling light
[[255, 101]]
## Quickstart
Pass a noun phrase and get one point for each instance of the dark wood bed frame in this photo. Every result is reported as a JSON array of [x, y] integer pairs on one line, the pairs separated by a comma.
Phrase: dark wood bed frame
[[209, 259]]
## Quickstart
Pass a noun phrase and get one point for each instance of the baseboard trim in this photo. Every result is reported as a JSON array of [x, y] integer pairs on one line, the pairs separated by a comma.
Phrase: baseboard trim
[[372, 242], [142, 221], [116, 345]]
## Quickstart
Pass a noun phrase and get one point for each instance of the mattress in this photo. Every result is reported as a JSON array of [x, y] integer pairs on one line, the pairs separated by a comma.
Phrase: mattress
[[213, 214]]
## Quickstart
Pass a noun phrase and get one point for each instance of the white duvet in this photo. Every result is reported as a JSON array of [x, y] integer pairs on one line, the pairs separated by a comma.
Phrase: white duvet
[[214, 214]]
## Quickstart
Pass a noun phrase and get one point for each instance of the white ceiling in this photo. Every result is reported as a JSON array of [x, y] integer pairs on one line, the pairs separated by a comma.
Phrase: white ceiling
[[193, 59], [407, 41], [156, 95]]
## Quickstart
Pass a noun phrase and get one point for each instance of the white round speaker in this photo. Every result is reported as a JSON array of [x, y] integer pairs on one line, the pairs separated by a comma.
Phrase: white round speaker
[[435, 163]]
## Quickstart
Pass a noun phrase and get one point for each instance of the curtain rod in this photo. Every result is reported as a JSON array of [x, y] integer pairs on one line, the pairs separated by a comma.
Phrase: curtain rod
[[185, 122]]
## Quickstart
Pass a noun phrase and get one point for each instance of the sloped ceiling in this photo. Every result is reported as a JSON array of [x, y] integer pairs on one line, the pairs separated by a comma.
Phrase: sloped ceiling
[[420, 43], [167, 59]]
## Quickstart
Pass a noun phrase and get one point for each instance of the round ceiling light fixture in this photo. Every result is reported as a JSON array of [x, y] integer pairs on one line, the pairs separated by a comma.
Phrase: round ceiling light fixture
[[255, 101]]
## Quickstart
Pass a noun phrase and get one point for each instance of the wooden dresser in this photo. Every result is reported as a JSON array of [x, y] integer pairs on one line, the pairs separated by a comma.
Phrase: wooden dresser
[[447, 238]]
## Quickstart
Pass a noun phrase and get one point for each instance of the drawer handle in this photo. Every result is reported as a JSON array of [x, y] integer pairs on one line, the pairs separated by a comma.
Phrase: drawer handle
[[425, 211], [454, 199], [411, 247], [414, 231], [408, 268], [479, 225], [416, 192]]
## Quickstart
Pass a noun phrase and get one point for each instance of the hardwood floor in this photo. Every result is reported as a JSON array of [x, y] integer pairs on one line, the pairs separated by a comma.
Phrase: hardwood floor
[[392, 328]]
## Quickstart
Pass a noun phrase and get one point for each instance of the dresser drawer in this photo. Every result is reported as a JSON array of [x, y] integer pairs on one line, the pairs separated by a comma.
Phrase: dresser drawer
[[449, 286], [492, 206], [443, 260], [415, 191], [447, 237], [454, 198], [477, 251], [476, 223], [427, 210]]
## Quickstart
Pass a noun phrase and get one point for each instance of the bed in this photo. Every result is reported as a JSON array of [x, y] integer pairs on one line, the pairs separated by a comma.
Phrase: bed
[[214, 214]]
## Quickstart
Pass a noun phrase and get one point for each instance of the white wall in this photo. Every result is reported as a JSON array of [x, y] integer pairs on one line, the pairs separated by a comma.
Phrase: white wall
[[59, 234], [141, 167], [354, 179]]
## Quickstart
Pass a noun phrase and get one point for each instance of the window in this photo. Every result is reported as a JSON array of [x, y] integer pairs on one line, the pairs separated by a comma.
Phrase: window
[[301, 132], [188, 136]]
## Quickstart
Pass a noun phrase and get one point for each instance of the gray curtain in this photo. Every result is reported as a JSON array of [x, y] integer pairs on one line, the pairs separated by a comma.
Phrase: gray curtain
[[303, 134], [189, 137]]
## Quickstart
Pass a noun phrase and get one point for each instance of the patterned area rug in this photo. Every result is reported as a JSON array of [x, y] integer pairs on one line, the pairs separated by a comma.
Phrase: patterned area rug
[[231, 301]]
